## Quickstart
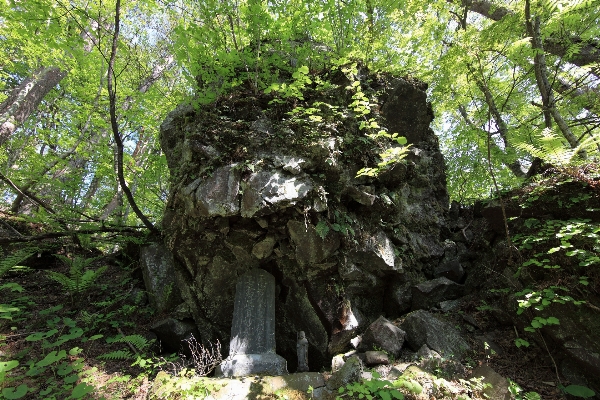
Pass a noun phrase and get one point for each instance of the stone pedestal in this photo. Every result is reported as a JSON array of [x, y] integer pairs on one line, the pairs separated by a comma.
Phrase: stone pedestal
[[252, 346], [254, 364]]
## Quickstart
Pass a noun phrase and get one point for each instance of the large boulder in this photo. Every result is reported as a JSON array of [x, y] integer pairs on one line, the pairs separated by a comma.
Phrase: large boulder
[[498, 386], [252, 187], [398, 299], [158, 270], [422, 327], [349, 373], [430, 293], [383, 335]]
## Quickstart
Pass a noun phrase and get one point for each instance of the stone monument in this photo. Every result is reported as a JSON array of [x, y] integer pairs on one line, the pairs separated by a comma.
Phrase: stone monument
[[302, 349], [252, 345]]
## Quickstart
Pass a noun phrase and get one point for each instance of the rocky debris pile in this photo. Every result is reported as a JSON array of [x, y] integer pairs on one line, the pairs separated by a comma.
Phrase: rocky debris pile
[[265, 186]]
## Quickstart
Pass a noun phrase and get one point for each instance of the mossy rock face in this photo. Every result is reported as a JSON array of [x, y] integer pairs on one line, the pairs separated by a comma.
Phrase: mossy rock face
[[259, 185]]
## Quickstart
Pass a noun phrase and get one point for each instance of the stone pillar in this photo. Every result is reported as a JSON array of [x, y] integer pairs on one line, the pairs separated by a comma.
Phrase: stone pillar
[[252, 346]]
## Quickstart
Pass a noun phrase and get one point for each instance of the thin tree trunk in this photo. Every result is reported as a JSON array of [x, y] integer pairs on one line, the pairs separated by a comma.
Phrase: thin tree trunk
[[25, 98], [24, 193], [515, 166], [112, 94], [541, 76]]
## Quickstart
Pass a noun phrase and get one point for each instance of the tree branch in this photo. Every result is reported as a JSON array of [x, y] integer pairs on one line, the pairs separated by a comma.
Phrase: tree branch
[[25, 193], [556, 43], [541, 75], [514, 166], [112, 96], [55, 235]]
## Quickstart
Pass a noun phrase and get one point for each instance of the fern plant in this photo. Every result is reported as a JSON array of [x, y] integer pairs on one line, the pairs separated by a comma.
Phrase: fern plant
[[550, 147], [80, 278], [116, 355], [137, 341], [11, 260]]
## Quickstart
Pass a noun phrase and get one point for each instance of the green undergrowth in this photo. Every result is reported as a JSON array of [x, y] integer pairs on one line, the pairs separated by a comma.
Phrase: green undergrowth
[[72, 333], [555, 256], [559, 258], [378, 388]]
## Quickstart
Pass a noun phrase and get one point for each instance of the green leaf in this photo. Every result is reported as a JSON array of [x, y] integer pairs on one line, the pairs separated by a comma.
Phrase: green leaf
[[401, 140], [71, 378], [8, 365], [7, 309], [64, 369], [52, 358], [322, 229], [45, 391], [40, 335], [384, 394], [15, 393], [580, 391], [536, 324], [81, 390], [14, 287], [33, 371]]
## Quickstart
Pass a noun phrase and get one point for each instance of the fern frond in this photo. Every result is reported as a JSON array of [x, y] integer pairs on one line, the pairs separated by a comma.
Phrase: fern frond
[[552, 148], [116, 355], [66, 282], [138, 341], [15, 258], [86, 317], [78, 281]]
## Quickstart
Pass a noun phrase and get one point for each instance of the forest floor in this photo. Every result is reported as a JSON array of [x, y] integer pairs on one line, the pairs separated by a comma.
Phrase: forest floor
[[96, 344]]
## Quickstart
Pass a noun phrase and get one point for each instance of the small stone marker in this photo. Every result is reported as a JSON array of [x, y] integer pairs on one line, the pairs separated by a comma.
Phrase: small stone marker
[[302, 350], [252, 346]]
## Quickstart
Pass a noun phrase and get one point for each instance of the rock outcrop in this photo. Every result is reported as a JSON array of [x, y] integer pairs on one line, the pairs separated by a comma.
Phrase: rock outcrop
[[255, 184]]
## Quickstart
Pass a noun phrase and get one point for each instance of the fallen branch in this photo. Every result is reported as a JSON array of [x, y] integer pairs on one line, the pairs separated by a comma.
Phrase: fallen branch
[[54, 235]]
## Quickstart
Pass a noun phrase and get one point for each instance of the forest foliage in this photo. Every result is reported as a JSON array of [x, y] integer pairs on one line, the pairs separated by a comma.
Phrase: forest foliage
[[511, 83], [85, 85]]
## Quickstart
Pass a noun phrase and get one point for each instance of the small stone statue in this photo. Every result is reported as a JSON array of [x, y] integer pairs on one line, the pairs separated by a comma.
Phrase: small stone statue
[[302, 350]]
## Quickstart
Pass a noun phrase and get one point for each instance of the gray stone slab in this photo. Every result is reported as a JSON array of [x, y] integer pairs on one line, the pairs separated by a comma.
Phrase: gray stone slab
[[253, 326], [299, 381], [252, 345]]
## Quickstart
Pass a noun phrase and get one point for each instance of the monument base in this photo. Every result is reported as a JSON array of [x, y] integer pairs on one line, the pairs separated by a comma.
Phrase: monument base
[[253, 364]]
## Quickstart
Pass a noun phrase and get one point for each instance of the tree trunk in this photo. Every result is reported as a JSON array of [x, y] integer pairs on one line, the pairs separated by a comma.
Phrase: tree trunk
[[541, 76], [24, 99], [515, 166], [112, 97]]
